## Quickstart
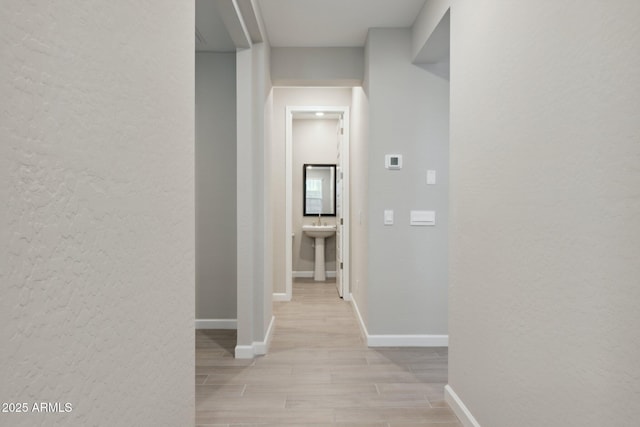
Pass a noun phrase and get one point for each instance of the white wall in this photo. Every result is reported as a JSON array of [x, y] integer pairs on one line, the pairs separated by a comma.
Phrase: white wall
[[359, 145], [314, 141], [215, 163], [283, 97], [97, 225], [407, 266], [254, 258], [545, 205], [267, 297]]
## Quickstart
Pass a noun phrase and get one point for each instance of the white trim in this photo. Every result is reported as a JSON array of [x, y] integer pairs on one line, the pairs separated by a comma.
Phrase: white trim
[[408, 340], [398, 340], [288, 214], [261, 347], [346, 205], [309, 274], [281, 297], [459, 408], [244, 352], [363, 327], [289, 190], [257, 348], [234, 23], [261, 27], [216, 323]]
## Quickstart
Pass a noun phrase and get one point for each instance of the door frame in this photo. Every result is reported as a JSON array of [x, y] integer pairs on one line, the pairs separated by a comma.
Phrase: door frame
[[290, 110]]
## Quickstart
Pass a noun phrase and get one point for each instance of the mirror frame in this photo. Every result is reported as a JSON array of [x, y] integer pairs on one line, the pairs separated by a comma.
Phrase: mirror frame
[[304, 188]]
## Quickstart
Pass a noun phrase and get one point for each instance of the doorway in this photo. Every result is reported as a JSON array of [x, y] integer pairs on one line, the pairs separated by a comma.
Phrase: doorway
[[342, 195]]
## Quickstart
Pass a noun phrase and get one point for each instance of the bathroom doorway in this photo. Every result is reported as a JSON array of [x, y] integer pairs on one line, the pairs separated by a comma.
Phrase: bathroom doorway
[[302, 240]]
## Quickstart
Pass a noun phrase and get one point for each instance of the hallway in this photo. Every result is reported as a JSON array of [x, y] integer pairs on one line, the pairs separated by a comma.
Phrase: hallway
[[318, 372]]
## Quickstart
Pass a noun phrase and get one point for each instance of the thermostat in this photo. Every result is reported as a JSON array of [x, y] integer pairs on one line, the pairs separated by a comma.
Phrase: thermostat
[[393, 161]]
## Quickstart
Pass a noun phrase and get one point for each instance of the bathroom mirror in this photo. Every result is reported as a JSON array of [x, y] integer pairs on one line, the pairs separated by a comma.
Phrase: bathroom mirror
[[319, 190]]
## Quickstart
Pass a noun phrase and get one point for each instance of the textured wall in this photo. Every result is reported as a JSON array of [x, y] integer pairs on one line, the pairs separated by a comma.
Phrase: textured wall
[[314, 141], [97, 224], [216, 287], [408, 115], [545, 149]]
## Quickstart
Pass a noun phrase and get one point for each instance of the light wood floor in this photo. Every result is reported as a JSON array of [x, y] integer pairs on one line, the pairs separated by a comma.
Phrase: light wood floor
[[318, 372]]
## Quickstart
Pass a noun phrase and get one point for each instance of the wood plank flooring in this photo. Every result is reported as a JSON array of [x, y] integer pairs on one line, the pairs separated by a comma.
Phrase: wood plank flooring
[[319, 373]]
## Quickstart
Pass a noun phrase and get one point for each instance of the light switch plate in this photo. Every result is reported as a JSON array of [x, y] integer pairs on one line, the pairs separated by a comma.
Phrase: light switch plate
[[431, 177], [388, 217], [422, 218]]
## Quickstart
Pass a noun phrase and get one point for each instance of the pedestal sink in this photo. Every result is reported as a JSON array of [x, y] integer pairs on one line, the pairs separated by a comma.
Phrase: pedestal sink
[[320, 233]]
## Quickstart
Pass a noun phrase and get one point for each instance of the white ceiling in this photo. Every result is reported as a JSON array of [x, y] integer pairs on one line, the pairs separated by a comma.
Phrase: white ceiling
[[332, 23], [307, 23], [210, 26]]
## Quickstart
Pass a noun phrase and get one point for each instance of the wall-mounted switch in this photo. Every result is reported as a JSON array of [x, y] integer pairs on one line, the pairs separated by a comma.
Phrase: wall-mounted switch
[[393, 161], [388, 217], [431, 177], [423, 218]]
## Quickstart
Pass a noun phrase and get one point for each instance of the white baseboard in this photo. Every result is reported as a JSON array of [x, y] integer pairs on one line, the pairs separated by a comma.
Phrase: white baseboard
[[216, 324], [281, 297], [408, 340], [244, 352], [363, 327], [257, 348], [459, 408], [309, 274], [398, 340]]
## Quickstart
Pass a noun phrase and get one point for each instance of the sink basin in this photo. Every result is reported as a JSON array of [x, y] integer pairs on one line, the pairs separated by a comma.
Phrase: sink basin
[[319, 230]]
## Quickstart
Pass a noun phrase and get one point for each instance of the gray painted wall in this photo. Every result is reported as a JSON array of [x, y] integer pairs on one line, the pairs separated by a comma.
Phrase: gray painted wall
[[545, 238], [215, 165], [97, 219], [317, 66], [314, 141], [408, 115]]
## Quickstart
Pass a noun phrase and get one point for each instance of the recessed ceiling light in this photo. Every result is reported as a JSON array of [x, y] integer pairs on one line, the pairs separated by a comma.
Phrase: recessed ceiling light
[[319, 113]]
